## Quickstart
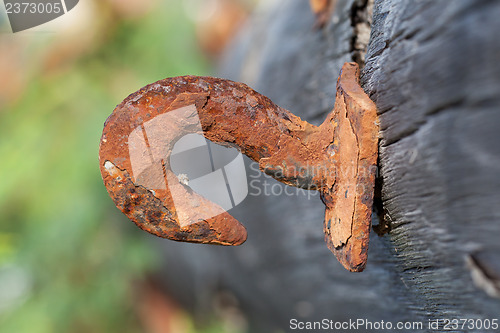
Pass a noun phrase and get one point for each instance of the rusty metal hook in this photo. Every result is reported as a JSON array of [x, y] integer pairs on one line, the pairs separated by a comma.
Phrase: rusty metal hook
[[337, 158]]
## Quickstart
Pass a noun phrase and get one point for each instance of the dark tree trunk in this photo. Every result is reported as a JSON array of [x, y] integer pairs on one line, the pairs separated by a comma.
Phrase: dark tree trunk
[[432, 67]]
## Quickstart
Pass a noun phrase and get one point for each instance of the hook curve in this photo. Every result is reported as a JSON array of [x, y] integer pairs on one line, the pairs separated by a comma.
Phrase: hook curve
[[337, 158]]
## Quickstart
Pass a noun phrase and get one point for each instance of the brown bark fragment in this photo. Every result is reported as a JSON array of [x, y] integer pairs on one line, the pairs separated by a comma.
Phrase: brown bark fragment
[[323, 10]]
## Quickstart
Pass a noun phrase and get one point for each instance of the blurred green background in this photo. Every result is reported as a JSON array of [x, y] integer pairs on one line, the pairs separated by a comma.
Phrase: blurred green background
[[69, 260]]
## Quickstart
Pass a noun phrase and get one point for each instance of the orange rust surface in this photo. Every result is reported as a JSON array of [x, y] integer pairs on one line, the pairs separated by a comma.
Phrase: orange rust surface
[[349, 201], [232, 114]]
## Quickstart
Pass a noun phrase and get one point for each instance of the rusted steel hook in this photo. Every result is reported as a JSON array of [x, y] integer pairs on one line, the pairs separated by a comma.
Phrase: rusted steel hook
[[337, 158]]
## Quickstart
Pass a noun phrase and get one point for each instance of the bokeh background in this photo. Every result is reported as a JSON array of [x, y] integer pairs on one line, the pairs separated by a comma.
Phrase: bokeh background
[[69, 260]]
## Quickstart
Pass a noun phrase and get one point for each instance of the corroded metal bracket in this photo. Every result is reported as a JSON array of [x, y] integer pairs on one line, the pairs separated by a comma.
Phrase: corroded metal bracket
[[337, 158]]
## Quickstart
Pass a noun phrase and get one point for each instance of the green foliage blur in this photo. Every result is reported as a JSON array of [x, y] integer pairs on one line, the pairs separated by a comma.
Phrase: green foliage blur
[[68, 258]]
